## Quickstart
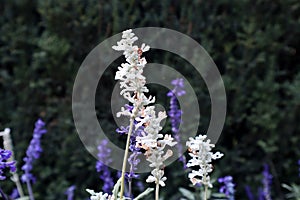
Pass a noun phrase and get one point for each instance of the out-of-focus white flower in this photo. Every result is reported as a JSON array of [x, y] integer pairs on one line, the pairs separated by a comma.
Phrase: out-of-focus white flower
[[99, 195], [202, 156], [158, 177]]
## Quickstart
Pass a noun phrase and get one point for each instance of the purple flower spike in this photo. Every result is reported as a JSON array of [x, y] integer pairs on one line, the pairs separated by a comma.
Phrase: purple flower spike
[[34, 150], [178, 88], [228, 187], [175, 113], [299, 167], [267, 182], [70, 192], [133, 158], [261, 195], [102, 166], [249, 193], [4, 156]]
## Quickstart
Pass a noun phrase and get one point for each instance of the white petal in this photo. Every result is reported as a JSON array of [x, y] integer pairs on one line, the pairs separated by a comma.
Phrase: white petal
[[150, 179]]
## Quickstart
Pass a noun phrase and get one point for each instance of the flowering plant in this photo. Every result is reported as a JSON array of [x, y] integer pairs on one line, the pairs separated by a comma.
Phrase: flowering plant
[[144, 119], [134, 89]]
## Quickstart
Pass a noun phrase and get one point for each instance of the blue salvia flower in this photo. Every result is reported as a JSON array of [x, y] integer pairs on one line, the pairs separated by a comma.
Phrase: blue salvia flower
[[299, 167], [175, 113], [34, 150], [4, 163], [14, 194], [228, 187], [249, 193], [102, 166], [140, 186], [260, 194], [133, 159], [136, 151], [267, 181], [70, 192]]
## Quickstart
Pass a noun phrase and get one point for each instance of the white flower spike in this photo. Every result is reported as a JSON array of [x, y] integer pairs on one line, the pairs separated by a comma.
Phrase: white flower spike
[[200, 151]]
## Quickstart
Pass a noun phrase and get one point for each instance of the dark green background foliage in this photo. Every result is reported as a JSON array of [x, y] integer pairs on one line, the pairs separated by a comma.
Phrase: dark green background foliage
[[255, 45]]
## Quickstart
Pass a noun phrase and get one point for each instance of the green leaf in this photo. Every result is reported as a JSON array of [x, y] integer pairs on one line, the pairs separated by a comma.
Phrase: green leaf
[[145, 193], [186, 193], [23, 198], [116, 188]]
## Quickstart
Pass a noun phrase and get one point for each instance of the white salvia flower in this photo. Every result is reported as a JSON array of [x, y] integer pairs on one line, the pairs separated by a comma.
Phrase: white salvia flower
[[154, 143], [130, 73], [7, 143], [158, 177], [200, 151]]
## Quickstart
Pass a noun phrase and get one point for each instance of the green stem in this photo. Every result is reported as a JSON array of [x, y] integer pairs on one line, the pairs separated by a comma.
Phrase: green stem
[[157, 191], [205, 192], [125, 157], [16, 179], [130, 188], [31, 197]]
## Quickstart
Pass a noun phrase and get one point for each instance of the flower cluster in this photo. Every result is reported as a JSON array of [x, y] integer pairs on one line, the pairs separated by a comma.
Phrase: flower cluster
[[200, 151], [154, 144], [102, 166], [132, 81], [34, 150], [4, 163], [228, 187], [175, 113]]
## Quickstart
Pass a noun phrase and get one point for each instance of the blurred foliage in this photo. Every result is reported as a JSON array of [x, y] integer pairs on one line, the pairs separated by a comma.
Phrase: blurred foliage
[[255, 44]]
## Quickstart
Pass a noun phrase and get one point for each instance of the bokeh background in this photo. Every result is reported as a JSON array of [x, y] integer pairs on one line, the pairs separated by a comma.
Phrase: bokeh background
[[255, 45]]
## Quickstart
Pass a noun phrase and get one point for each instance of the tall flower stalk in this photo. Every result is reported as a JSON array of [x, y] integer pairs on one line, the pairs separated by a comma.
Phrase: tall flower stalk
[[202, 156], [132, 83], [33, 153], [102, 166], [175, 114], [249, 193]]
